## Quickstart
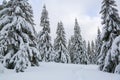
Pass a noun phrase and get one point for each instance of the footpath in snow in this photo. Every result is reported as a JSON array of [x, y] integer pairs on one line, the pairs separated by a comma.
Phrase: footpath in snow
[[55, 71]]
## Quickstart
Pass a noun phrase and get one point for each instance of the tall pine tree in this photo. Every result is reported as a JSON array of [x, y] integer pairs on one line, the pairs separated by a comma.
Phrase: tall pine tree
[[17, 35], [111, 29], [98, 45], [78, 56], [44, 39], [85, 52], [115, 54], [70, 47], [93, 53], [60, 45], [89, 52]]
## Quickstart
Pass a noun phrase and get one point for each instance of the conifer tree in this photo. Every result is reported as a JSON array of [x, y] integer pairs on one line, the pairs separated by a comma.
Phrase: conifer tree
[[17, 36], [44, 39], [85, 52], [69, 45], [98, 45], [78, 56], [88, 52], [115, 54], [60, 45], [93, 53], [70, 48], [111, 29], [2, 6]]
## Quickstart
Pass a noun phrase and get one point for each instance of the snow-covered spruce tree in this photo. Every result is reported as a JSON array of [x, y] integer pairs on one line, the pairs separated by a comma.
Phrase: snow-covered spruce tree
[[78, 56], [69, 45], [111, 29], [70, 48], [93, 53], [1, 63], [85, 51], [98, 45], [88, 52], [115, 54], [44, 39], [2, 6], [62, 54], [17, 36]]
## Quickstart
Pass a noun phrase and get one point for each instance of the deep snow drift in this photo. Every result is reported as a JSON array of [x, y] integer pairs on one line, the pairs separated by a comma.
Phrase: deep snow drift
[[55, 71]]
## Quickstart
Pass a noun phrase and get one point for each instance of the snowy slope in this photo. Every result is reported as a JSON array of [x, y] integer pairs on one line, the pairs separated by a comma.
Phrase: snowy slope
[[55, 71]]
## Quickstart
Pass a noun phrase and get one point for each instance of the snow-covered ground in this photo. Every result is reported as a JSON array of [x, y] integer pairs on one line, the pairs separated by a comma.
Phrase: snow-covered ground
[[55, 71]]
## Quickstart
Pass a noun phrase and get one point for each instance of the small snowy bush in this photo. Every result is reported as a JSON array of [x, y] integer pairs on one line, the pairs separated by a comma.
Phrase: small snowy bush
[[1, 68], [117, 69]]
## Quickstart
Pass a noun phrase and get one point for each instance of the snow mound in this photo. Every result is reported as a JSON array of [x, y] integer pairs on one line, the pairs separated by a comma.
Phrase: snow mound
[[117, 69], [1, 68]]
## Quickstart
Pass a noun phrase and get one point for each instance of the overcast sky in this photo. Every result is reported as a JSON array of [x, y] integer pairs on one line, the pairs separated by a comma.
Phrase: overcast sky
[[86, 11]]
